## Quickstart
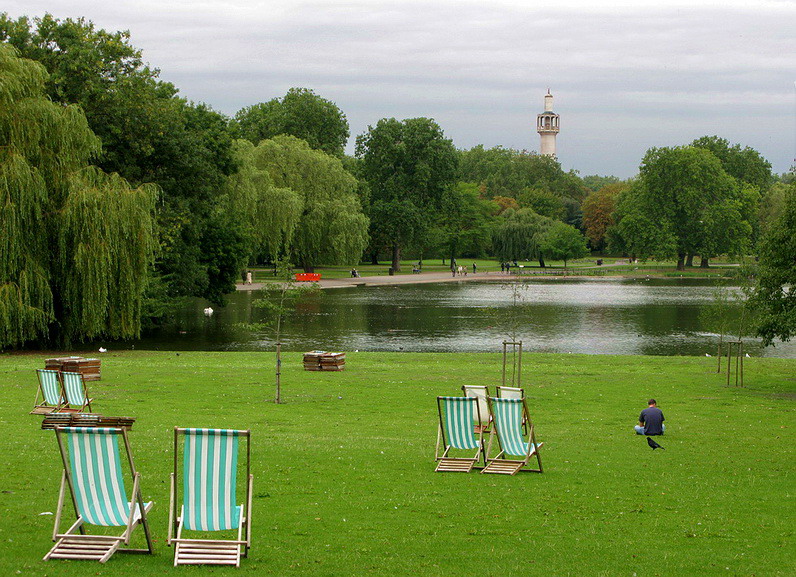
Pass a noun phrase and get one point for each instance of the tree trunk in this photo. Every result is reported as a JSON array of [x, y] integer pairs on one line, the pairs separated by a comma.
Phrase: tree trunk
[[278, 398], [704, 263], [690, 260], [396, 258], [541, 261], [307, 267], [681, 261], [374, 257]]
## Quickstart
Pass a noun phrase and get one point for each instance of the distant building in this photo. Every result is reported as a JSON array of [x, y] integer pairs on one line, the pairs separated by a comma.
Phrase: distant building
[[547, 127]]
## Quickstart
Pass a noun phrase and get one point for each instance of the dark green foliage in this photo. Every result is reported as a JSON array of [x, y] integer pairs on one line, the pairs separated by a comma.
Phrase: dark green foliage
[[410, 168], [563, 242], [300, 113], [745, 164], [774, 297], [521, 235]]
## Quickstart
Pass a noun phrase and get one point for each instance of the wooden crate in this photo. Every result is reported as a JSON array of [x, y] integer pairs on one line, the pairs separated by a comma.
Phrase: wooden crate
[[324, 361], [89, 368], [56, 364]]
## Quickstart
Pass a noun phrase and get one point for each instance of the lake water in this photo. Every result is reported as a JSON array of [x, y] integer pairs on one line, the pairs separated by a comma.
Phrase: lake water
[[612, 316]]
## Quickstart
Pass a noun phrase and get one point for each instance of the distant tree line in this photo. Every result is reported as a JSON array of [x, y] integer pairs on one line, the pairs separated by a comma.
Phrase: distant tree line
[[122, 197]]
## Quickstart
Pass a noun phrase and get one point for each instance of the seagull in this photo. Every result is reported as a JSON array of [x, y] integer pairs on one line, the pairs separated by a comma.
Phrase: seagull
[[707, 354], [208, 312], [103, 350], [653, 444]]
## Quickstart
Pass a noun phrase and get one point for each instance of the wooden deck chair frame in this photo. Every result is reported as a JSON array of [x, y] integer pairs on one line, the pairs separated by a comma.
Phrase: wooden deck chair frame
[[75, 393], [195, 551], [456, 431], [50, 391], [481, 393], [514, 451], [513, 393], [96, 487]]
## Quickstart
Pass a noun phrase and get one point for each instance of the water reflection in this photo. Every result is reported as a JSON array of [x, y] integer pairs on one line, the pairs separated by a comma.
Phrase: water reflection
[[604, 316]]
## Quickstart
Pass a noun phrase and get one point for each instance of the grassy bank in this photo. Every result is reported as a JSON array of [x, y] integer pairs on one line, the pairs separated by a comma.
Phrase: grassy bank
[[611, 266], [344, 472]]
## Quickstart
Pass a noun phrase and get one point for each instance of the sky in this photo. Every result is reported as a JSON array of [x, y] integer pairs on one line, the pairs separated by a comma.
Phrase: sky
[[625, 75]]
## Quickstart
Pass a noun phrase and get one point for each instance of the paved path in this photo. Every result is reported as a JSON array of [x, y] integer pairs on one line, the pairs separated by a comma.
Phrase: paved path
[[423, 277]]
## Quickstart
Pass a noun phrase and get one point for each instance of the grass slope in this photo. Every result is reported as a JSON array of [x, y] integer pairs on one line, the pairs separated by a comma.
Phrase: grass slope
[[344, 481]]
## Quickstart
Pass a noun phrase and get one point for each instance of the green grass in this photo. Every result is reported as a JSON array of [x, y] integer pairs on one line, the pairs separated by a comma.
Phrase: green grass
[[344, 471]]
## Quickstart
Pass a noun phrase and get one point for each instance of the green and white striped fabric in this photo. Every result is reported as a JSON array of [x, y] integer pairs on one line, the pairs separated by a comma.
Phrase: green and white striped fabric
[[210, 463], [50, 387], [459, 415], [508, 420], [97, 475], [74, 388]]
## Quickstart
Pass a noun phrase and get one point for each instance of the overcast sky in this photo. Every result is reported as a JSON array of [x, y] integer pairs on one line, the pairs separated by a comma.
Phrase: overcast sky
[[625, 78]]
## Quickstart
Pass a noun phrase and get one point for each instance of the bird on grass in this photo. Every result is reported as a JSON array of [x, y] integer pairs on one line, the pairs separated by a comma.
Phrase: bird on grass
[[653, 444]]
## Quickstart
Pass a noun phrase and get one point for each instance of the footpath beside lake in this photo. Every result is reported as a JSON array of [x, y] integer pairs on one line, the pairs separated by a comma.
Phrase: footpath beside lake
[[344, 470]]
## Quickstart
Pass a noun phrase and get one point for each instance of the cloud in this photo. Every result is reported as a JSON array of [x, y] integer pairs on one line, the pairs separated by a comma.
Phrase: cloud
[[624, 78]]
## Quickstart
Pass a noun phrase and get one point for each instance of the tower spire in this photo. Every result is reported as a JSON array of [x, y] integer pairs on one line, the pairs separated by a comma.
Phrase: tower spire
[[547, 126]]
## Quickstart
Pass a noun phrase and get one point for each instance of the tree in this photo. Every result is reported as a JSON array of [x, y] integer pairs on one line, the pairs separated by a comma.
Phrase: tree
[[744, 164], [774, 296], [300, 113], [467, 223], [148, 135], [331, 228], [77, 243], [410, 168], [598, 213], [563, 242], [520, 236], [683, 203]]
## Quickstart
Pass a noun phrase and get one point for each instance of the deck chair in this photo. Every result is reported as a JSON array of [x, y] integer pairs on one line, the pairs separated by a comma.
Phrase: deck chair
[[514, 451], [75, 392], [456, 431], [514, 393], [482, 419], [50, 392], [210, 470], [93, 474]]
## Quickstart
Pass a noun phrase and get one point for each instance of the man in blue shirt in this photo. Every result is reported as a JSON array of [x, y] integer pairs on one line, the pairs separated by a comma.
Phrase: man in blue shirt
[[650, 422]]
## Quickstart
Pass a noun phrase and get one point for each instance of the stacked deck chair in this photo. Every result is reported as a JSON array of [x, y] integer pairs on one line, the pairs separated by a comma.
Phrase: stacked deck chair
[[456, 433], [481, 393], [75, 393], [50, 392], [209, 487], [515, 447], [93, 475]]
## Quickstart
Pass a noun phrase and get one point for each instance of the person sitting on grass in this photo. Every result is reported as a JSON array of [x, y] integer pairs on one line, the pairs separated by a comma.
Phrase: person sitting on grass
[[650, 422]]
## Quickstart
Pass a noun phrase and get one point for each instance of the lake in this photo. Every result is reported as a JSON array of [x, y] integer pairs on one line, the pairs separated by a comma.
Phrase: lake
[[592, 316]]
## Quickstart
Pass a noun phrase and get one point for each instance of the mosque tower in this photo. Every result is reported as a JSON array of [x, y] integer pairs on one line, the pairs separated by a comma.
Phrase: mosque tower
[[547, 126]]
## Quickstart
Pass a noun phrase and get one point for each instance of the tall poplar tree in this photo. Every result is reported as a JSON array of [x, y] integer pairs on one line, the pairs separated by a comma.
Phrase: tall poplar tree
[[75, 243]]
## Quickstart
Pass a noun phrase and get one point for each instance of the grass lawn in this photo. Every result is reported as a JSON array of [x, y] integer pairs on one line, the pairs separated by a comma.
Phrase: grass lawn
[[344, 470]]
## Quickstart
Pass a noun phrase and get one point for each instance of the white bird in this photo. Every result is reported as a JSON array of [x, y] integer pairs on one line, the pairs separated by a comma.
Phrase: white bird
[[103, 350], [208, 312], [707, 354], [747, 355]]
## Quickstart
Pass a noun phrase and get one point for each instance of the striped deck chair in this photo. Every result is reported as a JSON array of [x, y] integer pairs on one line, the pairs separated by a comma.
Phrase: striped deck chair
[[93, 475], [515, 451], [514, 393], [75, 392], [209, 487], [481, 420], [456, 431], [50, 392]]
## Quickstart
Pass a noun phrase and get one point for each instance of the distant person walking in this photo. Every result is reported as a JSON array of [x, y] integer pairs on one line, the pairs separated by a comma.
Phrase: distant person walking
[[474, 270], [650, 422], [249, 277]]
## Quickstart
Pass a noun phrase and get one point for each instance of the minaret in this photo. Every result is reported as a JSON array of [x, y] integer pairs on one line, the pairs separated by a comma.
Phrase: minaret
[[547, 126]]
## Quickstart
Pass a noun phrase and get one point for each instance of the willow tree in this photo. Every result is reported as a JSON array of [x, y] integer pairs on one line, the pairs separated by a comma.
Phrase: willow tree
[[332, 228], [520, 236], [75, 243]]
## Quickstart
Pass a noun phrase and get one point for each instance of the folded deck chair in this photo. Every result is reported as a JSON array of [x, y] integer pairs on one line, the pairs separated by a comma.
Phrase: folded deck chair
[[94, 476], [75, 393], [482, 419], [210, 470], [515, 451], [456, 431], [50, 392]]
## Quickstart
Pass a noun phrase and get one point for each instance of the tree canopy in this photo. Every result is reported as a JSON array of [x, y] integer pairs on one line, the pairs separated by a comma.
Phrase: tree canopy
[[77, 242], [410, 168], [300, 113], [774, 296], [521, 235]]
